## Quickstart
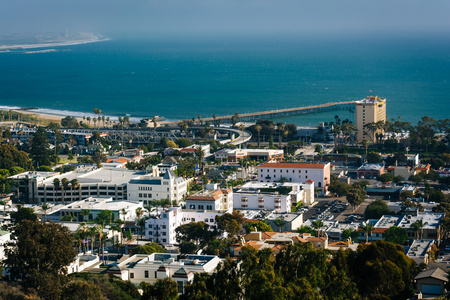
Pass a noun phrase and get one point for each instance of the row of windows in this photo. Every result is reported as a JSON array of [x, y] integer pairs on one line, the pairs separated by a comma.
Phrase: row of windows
[[287, 171], [299, 176], [145, 188], [208, 207]]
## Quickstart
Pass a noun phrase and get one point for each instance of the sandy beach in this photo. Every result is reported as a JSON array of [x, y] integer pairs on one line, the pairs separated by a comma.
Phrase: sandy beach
[[46, 117]]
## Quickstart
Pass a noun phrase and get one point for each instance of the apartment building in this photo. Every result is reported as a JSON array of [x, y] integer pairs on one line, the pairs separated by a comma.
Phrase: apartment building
[[369, 110], [211, 198]]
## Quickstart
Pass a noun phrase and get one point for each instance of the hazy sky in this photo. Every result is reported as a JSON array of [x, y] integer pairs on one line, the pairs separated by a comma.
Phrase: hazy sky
[[226, 17]]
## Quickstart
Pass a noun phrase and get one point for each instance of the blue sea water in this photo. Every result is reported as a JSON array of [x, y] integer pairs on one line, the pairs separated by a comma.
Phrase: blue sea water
[[179, 79]]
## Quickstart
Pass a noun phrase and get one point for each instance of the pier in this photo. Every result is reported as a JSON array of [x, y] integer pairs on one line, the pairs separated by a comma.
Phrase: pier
[[270, 114]]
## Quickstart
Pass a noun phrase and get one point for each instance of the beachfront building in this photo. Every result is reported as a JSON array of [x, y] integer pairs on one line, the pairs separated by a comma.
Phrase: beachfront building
[[178, 267], [211, 198], [146, 188], [295, 172], [369, 110]]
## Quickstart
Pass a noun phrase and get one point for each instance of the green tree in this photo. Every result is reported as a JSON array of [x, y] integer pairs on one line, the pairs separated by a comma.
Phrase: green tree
[[105, 217], [230, 223], [373, 158], [367, 229], [11, 157], [69, 122], [338, 188], [81, 290], [197, 232], [22, 214], [149, 248], [349, 233], [162, 289], [382, 269], [40, 249], [40, 148], [355, 195], [257, 226], [386, 177], [376, 209], [396, 235]]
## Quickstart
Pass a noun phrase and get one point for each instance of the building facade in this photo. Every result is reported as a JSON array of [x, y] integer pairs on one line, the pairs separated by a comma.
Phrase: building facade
[[369, 110], [295, 172]]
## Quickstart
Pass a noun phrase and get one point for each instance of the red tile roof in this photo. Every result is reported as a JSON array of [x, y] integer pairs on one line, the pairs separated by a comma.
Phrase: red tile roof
[[292, 165]]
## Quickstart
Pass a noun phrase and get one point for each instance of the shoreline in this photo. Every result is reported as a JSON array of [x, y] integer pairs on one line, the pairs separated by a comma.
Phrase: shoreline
[[54, 44]]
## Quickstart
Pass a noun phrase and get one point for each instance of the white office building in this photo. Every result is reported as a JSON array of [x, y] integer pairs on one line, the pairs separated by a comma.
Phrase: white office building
[[295, 172], [161, 228], [146, 188], [273, 196], [211, 198], [178, 267]]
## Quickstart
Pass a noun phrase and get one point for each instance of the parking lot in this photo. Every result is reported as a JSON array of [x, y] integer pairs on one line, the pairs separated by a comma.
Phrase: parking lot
[[327, 209]]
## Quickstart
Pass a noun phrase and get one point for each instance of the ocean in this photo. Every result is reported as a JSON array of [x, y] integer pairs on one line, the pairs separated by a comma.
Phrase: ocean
[[183, 78]]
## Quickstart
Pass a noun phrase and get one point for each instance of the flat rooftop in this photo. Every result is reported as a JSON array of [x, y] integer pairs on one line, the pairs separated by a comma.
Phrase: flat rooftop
[[99, 204], [90, 174], [168, 260]]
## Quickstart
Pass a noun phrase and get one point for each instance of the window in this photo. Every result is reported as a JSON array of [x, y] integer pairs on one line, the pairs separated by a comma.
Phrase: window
[[180, 287], [131, 275], [164, 227], [209, 207], [164, 240], [211, 220], [150, 233], [306, 171], [206, 220], [146, 274], [164, 233], [150, 226], [193, 219]]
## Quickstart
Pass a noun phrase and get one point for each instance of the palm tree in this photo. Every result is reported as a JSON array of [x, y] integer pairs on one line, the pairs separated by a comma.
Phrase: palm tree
[[281, 127], [258, 129], [64, 185], [365, 144], [89, 120], [215, 121], [100, 233], [92, 233], [155, 123], [280, 223], [124, 212], [85, 213], [418, 226], [56, 185], [318, 225], [82, 230], [45, 207], [139, 214], [367, 229], [74, 184], [115, 228]]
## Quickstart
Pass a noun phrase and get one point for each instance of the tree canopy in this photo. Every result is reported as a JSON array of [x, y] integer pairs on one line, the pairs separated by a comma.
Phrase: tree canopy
[[40, 253], [40, 148], [376, 209]]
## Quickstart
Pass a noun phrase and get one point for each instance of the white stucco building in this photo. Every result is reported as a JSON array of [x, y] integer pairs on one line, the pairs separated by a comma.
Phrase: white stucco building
[[180, 268], [273, 196], [211, 198], [295, 172], [146, 188], [161, 228]]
